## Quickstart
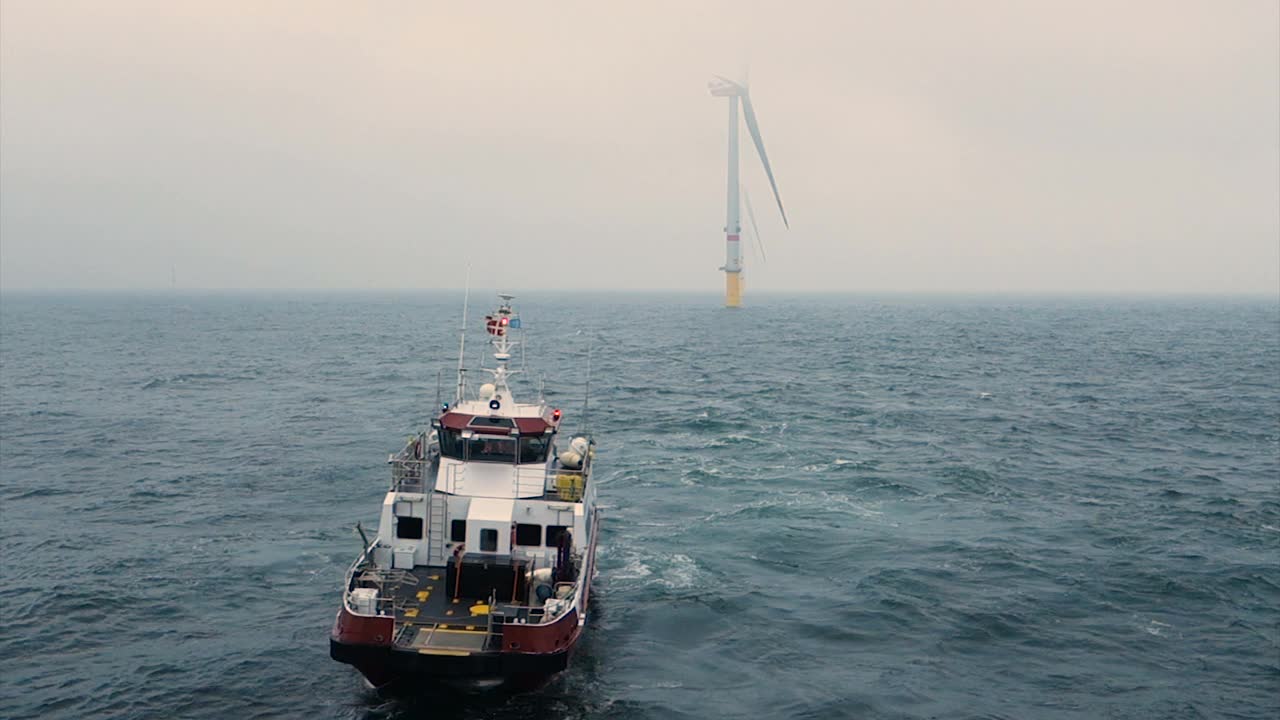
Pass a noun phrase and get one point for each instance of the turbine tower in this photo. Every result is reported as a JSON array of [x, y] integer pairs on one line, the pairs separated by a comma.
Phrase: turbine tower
[[723, 87]]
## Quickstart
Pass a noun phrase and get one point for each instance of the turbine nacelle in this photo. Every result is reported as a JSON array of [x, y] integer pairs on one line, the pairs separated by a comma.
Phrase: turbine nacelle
[[724, 87]]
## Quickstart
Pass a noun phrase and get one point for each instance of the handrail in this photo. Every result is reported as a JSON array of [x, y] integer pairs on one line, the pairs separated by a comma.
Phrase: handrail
[[565, 603], [409, 466], [365, 559], [569, 491], [405, 473], [529, 481], [454, 476]]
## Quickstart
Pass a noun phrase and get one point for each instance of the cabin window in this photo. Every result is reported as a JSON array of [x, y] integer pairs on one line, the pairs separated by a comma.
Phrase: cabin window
[[499, 422], [451, 444], [488, 540], [553, 534], [528, 534], [409, 528], [491, 448], [458, 531], [534, 449]]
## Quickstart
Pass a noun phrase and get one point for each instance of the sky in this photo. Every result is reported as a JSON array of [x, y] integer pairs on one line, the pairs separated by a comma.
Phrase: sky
[[992, 146]]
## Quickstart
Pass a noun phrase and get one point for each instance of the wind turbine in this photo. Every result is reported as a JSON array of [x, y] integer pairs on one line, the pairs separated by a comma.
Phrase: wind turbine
[[723, 87]]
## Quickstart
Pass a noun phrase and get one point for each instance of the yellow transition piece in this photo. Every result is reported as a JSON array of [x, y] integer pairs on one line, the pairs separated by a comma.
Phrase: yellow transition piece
[[733, 289]]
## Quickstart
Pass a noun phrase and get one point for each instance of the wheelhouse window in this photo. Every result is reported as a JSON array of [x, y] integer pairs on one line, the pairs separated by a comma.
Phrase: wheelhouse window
[[553, 534], [533, 449], [528, 534], [409, 528], [488, 540], [458, 531], [491, 448], [476, 446], [451, 444]]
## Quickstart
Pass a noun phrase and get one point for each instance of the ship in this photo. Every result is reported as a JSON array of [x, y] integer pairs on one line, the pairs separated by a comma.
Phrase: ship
[[480, 572]]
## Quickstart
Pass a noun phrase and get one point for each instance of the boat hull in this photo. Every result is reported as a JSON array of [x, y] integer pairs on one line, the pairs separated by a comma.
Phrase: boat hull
[[526, 655], [529, 654]]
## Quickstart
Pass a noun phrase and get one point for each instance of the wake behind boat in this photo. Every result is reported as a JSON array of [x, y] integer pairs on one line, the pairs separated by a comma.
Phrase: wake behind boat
[[481, 568]]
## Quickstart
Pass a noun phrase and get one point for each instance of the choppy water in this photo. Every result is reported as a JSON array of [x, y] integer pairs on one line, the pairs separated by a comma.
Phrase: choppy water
[[815, 507]]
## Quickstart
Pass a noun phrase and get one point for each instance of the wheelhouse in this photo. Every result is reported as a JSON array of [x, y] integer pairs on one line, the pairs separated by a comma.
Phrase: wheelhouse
[[479, 438]]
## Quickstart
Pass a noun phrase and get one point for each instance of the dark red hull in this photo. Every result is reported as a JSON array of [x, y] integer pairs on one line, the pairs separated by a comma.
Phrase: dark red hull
[[528, 652]]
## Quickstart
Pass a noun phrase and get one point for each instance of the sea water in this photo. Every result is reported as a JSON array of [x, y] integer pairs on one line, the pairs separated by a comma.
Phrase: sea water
[[814, 506]]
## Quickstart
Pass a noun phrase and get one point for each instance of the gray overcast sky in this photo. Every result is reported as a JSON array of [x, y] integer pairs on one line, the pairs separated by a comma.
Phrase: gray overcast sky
[[991, 146]]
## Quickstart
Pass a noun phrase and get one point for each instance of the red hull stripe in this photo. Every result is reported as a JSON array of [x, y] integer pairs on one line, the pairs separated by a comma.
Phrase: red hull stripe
[[542, 639]]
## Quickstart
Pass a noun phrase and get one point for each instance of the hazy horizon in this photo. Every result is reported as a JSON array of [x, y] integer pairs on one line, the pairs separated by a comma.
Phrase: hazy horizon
[[713, 295], [920, 148]]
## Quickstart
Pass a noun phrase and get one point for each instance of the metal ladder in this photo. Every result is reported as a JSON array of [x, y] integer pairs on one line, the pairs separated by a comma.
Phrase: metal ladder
[[436, 507], [455, 477]]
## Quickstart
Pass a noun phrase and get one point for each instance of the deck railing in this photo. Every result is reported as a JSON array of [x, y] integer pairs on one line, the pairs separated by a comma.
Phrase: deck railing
[[569, 483], [407, 473], [517, 614], [363, 573], [410, 466], [529, 481]]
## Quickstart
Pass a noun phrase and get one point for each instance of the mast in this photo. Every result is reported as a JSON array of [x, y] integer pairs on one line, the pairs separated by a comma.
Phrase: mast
[[733, 225], [500, 324], [502, 343]]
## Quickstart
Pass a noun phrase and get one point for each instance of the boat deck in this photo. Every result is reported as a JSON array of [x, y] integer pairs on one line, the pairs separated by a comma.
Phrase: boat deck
[[431, 622]]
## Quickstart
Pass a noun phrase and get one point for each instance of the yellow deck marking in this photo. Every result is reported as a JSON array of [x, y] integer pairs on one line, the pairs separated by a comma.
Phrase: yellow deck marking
[[434, 577], [448, 612], [479, 609], [455, 601], [461, 632], [411, 612], [471, 627], [422, 594]]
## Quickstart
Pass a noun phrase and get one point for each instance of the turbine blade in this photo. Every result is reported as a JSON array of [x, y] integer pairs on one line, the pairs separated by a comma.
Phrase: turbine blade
[[749, 114], [755, 231]]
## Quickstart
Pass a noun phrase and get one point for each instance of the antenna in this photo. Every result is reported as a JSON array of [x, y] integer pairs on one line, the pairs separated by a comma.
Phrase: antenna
[[462, 344], [524, 361], [586, 397]]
